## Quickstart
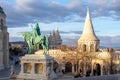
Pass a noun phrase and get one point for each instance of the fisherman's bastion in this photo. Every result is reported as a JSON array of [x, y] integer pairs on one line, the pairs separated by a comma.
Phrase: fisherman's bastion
[[87, 57]]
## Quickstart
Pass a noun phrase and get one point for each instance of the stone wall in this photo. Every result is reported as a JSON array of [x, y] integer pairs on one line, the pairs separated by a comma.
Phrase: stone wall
[[105, 77]]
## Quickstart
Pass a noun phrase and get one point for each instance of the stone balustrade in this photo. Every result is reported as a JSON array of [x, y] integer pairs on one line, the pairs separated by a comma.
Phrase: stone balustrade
[[104, 77]]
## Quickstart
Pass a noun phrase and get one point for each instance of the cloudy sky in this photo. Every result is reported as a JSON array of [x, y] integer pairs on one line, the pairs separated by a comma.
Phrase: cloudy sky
[[67, 15]]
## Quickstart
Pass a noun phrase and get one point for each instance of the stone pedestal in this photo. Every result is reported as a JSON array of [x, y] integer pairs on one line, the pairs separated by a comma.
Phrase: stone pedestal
[[37, 67]]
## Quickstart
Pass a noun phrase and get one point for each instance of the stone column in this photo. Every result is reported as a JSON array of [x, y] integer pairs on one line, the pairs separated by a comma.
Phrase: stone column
[[73, 68], [101, 69], [45, 69], [108, 70], [33, 68], [79, 66], [1, 60], [92, 69], [22, 68]]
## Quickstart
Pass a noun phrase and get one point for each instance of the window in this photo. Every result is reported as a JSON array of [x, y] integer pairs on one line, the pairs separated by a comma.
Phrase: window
[[92, 47], [84, 47], [1, 22]]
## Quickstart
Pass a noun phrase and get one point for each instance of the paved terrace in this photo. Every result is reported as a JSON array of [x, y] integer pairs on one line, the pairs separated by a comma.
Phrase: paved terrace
[[4, 75]]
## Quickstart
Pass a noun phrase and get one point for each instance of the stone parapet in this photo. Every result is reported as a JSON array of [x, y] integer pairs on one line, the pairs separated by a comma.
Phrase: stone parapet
[[104, 77]]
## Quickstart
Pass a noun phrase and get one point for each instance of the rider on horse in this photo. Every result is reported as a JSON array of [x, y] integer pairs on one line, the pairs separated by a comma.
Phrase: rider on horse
[[37, 39]]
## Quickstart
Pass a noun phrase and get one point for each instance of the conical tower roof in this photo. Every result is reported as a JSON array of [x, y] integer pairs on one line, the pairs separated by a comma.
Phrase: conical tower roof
[[88, 31]]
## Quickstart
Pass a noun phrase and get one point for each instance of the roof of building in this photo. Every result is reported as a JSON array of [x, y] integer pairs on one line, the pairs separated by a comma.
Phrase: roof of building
[[88, 31], [1, 11]]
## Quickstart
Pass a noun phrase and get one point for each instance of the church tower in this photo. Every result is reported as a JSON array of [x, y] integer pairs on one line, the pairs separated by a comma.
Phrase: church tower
[[88, 41], [55, 39], [4, 41], [58, 37]]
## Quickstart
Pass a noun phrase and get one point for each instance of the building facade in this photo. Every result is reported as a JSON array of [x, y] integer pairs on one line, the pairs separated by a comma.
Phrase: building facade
[[87, 57], [4, 41]]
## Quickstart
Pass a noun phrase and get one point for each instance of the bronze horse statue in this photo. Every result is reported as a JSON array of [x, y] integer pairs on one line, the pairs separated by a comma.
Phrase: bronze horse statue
[[35, 40]]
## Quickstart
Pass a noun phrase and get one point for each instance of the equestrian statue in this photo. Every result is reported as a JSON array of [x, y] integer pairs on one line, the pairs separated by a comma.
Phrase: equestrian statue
[[36, 40]]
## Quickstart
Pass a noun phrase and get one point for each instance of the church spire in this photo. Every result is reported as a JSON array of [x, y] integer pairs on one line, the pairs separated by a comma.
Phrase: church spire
[[88, 27], [88, 40], [88, 31], [57, 29]]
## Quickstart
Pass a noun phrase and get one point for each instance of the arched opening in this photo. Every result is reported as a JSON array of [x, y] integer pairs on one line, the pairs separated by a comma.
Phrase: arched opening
[[96, 47], [92, 47], [68, 67], [97, 69], [84, 48], [55, 66]]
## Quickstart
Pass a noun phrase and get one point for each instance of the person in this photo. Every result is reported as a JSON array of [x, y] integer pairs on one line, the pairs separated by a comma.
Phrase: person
[[76, 75]]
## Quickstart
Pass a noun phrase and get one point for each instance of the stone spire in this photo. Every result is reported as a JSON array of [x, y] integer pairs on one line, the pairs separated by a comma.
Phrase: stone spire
[[88, 31], [57, 29]]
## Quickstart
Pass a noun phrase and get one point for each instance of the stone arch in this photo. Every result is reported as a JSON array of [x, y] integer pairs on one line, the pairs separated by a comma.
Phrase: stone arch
[[55, 66], [97, 69], [84, 47], [68, 67]]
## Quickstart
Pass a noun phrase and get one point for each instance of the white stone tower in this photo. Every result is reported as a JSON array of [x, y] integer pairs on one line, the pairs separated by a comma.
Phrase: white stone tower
[[4, 41], [88, 41]]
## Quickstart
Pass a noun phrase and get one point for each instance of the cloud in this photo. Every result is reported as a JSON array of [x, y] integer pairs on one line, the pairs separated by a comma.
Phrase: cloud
[[29, 11], [105, 41], [15, 39], [23, 12], [98, 8], [73, 36]]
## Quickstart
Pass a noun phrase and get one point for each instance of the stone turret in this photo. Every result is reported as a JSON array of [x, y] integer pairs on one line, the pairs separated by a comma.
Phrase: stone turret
[[88, 40], [2, 19], [4, 41]]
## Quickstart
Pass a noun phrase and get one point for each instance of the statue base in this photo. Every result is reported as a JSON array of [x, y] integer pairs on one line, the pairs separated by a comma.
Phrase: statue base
[[37, 67]]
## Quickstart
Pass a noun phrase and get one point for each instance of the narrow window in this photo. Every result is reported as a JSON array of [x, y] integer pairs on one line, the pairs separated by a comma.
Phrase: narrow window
[[84, 48]]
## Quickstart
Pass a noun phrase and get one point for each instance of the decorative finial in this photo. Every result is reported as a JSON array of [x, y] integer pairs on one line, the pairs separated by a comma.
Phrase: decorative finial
[[88, 14]]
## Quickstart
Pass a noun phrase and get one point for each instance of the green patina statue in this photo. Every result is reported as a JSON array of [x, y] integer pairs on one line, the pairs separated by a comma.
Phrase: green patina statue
[[36, 40]]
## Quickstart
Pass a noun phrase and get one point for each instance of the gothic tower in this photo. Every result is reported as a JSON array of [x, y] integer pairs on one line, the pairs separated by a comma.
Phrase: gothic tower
[[55, 39], [88, 41], [4, 41]]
